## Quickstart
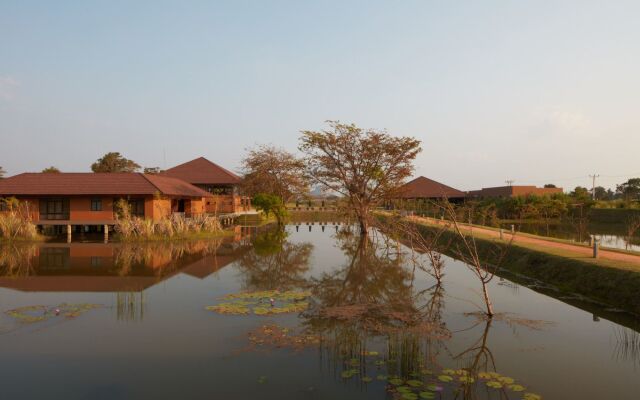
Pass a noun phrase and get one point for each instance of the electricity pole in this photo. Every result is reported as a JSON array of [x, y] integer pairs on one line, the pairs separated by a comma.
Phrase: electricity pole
[[593, 186], [509, 182]]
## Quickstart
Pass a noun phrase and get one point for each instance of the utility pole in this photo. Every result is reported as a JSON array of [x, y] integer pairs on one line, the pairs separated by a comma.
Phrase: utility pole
[[593, 186], [509, 182]]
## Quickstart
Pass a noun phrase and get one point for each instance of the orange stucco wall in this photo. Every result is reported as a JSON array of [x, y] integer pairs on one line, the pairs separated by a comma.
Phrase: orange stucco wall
[[80, 209], [156, 209], [223, 204]]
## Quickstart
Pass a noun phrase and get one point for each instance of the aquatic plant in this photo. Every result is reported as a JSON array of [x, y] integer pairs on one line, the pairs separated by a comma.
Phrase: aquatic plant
[[270, 336], [266, 302], [38, 313]]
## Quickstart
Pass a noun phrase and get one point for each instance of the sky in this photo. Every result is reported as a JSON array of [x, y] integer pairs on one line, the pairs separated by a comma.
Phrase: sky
[[531, 91]]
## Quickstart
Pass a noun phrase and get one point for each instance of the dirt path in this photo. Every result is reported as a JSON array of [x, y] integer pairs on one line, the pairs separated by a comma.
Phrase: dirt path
[[577, 251]]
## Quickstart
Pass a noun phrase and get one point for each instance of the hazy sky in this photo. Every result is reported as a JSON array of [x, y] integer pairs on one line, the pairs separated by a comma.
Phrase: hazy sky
[[535, 91]]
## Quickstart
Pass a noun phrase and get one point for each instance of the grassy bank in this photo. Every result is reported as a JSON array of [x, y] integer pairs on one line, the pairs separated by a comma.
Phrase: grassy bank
[[612, 283]]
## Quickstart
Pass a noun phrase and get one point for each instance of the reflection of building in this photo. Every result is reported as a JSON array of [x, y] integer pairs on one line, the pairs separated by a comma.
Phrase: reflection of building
[[117, 267], [214, 179]]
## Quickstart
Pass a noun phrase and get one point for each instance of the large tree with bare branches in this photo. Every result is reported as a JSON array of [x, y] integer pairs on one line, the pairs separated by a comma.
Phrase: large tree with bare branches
[[275, 171], [366, 166]]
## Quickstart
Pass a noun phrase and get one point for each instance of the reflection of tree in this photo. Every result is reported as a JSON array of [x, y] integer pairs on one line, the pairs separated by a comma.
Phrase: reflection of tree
[[370, 299], [275, 263], [17, 260], [167, 256]]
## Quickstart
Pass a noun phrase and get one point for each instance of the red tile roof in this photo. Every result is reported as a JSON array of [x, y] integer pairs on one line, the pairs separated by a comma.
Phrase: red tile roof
[[70, 184], [202, 171], [422, 187]]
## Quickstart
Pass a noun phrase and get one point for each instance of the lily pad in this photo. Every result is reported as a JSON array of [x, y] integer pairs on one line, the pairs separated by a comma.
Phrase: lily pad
[[445, 378], [427, 395]]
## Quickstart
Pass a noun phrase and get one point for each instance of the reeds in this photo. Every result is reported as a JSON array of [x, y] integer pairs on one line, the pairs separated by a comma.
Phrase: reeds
[[15, 223], [174, 226]]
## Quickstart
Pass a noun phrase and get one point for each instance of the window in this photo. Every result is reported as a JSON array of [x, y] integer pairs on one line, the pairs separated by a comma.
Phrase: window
[[96, 204], [54, 208]]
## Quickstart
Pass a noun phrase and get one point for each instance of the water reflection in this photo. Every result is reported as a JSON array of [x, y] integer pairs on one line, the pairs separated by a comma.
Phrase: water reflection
[[275, 262]]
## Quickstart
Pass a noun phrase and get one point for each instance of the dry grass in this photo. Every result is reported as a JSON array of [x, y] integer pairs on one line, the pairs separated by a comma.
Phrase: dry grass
[[174, 226], [16, 222]]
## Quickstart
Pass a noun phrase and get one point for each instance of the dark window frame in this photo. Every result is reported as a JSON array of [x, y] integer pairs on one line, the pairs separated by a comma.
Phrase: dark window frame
[[96, 204]]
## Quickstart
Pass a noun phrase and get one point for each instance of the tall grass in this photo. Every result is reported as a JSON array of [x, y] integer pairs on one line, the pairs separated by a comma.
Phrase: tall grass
[[15, 222], [174, 226]]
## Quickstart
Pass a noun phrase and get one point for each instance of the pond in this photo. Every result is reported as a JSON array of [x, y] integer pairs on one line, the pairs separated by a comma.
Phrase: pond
[[609, 235], [309, 313]]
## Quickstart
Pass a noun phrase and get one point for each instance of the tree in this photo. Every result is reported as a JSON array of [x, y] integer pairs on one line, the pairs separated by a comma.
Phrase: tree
[[51, 170], [601, 193], [270, 203], [268, 169], [114, 162], [550, 185], [2, 172], [630, 190], [152, 170], [581, 193], [366, 166]]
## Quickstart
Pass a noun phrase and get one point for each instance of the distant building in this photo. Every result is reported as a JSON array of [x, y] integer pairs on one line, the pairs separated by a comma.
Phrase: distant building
[[212, 178], [513, 191], [425, 188]]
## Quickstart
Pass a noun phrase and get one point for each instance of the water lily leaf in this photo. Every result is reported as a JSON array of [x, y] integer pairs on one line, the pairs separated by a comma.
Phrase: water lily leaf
[[434, 388], [494, 384], [531, 396], [262, 379], [396, 381], [516, 388], [445, 378], [410, 396], [367, 379], [484, 375], [506, 380], [427, 395], [467, 379], [448, 371], [414, 383], [403, 389]]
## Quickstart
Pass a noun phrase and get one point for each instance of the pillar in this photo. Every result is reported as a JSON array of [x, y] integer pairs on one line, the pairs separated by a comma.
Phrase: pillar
[[68, 233], [106, 233]]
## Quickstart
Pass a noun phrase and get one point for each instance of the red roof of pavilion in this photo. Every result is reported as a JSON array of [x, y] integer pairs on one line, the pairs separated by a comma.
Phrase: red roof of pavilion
[[87, 183], [422, 187], [203, 171]]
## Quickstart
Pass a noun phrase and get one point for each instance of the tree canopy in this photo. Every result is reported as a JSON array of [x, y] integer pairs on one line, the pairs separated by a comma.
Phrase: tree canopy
[[152, 170], [114, 162], [268, 169], [51, 170], [2, 172], [366, 166], [270, 203], [630, 190]]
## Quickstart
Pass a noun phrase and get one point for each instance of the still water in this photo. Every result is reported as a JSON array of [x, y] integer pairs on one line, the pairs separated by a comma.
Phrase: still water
[[613, 236], [358, 321]]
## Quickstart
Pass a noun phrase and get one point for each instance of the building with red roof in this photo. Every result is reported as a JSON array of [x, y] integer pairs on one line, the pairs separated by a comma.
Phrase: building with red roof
[[212, 178], [88, 199]]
